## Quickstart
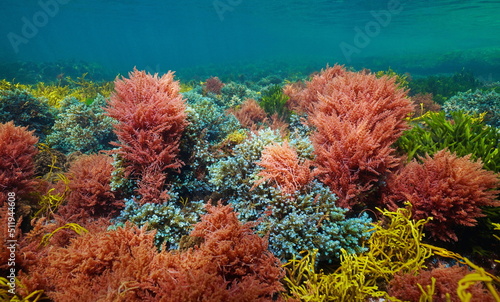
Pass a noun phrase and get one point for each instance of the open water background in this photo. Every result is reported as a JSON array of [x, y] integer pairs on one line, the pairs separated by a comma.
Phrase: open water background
[[421, 37]]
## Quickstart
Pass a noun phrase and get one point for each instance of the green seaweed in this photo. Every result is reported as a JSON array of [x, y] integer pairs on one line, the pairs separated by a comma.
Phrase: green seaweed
[[463, 134], [443, 87], [274, 102]]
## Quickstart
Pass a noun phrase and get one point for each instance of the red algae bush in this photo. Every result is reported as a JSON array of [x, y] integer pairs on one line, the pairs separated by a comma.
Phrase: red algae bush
[[283, 168], [90, 194], [249, 114], [448, 188], [17, 165], [213, 85], [230, 264], [151, 119], [408, 286], [357, 118], [304, 98], [17, 169]]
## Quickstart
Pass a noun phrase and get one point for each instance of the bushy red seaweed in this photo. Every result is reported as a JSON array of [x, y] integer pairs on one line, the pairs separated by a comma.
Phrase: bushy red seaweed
[[213, 85], [357, 117], [405, 286], [249, 114], [304, 98], [90, 194], [151, 119], [17, 164], [448, 188], [231, 264], [283, 169]]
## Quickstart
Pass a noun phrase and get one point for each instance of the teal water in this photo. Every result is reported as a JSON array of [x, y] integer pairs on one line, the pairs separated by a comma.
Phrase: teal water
[[214, 36]]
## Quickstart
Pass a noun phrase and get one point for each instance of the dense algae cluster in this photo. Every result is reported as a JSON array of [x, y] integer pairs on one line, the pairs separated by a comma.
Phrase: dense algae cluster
[[218, 185]]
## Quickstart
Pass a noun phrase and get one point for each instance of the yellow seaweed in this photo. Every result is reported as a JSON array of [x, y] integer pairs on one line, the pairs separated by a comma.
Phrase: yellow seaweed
[[6, 85], [53, 93], [73, 226], [51, 200], [6, 296], [393, 247]]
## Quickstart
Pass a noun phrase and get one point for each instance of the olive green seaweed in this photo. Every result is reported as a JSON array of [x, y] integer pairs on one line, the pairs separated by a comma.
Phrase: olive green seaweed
[[274, 101]]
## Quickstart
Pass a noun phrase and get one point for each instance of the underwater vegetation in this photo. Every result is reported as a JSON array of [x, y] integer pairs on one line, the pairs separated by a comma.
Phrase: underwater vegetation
[[227, 263], [450, 189], [443, 87], [81, 127], [273, 101], [17, 167], [424, 103], [90, 194], [283, 168], [170, 220], [295, 214], [150, 115], [477, 102], [54, 91], [249, 113], [209, 120], [357, 117], [65, 111], [342, 186], [26, 110], [36, 72], [462, 134], [396, 254], [213, 85], [444, 281]]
